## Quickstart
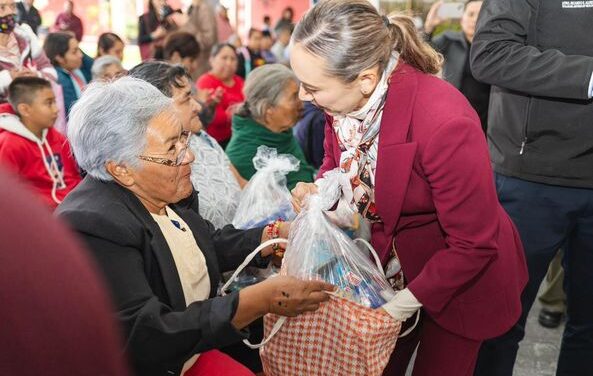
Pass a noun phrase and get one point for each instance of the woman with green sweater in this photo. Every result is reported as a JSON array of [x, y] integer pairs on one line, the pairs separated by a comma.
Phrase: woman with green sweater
[[271, 108]]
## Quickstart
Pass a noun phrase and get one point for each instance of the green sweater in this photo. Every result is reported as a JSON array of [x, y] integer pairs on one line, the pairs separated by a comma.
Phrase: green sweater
[[248, 135]]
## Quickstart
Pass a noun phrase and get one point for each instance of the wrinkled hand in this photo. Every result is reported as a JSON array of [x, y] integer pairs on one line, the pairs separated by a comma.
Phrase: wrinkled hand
[[216, 96], [299, 193], [432, 18], [291, 297]]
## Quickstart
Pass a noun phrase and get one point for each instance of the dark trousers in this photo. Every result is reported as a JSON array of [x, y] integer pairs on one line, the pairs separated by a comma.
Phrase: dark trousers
[[549, 218], [440, 352]]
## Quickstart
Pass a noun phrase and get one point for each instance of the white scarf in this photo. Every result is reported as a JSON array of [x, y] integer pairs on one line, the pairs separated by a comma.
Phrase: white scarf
[[358, 136]]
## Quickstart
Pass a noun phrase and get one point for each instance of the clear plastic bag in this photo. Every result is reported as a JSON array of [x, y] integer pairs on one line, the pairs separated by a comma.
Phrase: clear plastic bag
[[266, 197], [318, 249]]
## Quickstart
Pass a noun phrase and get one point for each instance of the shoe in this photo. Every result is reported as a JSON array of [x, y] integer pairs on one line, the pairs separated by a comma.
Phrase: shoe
[[549, 319]]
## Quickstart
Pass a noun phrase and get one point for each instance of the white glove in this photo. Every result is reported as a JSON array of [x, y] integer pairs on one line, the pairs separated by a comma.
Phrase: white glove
[[403, 306]]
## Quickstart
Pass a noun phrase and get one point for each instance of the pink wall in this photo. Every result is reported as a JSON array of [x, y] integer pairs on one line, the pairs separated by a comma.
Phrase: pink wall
[[273, 8]]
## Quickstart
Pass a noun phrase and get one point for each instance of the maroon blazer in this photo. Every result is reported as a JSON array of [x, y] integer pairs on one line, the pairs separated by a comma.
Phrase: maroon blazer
[[434, 190]]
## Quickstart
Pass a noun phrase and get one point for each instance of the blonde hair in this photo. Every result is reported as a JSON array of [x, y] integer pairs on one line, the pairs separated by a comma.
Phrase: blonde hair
[[351, 36]]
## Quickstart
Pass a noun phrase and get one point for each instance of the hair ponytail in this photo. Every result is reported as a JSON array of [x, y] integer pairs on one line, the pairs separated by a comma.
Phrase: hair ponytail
[[411, 47]]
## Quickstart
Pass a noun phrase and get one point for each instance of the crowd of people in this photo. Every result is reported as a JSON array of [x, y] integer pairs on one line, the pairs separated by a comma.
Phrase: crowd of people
[[467, 156]]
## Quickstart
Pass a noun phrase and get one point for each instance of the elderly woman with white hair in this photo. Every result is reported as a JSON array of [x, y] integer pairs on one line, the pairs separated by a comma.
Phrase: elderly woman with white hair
[[138, 214], [107, 67], [271, 109]]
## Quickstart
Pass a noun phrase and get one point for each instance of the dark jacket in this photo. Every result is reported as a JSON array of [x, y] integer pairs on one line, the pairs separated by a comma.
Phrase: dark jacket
[[310, 133], [31, 18], [455, 48], [68, 90], [539, 56], [161, 332]]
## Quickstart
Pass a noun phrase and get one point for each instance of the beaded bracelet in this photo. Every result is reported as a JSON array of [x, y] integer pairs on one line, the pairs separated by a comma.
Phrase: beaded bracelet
[[273, 231]]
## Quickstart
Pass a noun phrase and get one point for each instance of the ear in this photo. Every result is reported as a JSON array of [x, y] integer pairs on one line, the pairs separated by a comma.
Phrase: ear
[[120, 173], [23, 109], [60, 59], [269, 114], [368, 79]]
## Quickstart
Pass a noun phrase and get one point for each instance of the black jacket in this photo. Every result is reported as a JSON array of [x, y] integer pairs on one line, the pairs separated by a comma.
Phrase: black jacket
[[539, 56], [454, 47], [31, 18], [161, 332]]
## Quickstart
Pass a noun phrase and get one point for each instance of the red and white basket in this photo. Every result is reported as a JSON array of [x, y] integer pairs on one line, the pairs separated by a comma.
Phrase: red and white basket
[[340, 338]]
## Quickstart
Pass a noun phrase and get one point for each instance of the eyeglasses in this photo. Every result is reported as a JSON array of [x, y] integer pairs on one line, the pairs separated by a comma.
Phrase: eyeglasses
[[181, 147], [10, 6]]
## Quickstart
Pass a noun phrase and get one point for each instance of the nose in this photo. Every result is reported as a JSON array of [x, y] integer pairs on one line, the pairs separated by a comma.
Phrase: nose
[[303, 95]]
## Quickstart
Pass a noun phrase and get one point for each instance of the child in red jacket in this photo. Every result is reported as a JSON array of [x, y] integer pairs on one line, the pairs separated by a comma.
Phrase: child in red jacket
[[30, 146]]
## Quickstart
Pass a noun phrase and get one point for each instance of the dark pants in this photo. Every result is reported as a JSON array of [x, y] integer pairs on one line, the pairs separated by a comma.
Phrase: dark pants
[[440, 352], [549, 218]]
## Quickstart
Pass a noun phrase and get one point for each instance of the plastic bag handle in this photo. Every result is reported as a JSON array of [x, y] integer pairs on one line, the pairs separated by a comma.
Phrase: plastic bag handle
[[373, 252], [380, 266], [246, 262], [248, 259]]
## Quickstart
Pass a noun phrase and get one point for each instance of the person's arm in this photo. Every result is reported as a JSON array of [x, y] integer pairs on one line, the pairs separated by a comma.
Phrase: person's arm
[[242, 182], [456, 164], [501, 55]]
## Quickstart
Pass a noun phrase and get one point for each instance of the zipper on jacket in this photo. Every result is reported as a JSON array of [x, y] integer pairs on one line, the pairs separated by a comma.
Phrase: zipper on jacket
[[527, 117]]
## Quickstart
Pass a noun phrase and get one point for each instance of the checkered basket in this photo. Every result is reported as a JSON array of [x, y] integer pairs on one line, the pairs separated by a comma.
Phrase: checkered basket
[[340, 338]]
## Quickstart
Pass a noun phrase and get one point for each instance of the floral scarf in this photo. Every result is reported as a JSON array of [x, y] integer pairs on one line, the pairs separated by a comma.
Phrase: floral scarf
[[358, 136]]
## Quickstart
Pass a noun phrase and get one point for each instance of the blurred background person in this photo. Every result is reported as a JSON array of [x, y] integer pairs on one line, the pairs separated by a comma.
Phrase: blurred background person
[[250, 55], [455, 47], [287, 19], [21, 53], [110, 44], [201, 23], [271, 109], [62, 50], [222, 77], [107, 67], [153, 27], [28, 14], [280, 47], [68, 21], [223, 24], [266, 47]]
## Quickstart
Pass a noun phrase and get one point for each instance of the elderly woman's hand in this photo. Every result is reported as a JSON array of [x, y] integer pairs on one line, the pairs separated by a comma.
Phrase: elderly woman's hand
[[291, 297], [282, 295], [299, 193]]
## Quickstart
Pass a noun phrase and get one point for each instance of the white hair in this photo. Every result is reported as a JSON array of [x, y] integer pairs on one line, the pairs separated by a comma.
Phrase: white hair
[[109, 122], [102, 63]]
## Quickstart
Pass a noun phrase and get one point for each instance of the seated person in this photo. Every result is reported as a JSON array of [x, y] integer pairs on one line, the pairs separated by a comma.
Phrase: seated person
[[62, 50], [213, 175], [222, 76], [250, 55], [107, 67], [110, 44], [21, 52], [271, 108], [30, 146], [137, 212], [183, 48]]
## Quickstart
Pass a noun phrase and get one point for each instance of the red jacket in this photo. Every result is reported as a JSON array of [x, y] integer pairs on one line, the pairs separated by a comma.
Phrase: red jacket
[[435, 193], [30, 158]]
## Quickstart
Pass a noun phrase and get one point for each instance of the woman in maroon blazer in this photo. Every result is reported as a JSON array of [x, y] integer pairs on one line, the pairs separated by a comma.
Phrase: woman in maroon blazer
[[420, 174]]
